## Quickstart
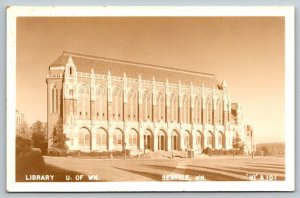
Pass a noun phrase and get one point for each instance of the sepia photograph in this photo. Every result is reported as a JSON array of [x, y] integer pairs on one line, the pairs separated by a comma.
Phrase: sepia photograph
[[150, 99]]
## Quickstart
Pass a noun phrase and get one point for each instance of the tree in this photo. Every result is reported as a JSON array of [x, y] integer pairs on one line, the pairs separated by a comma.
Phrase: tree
[[22, 130], [38, 131], [58, 136], [237, 144]]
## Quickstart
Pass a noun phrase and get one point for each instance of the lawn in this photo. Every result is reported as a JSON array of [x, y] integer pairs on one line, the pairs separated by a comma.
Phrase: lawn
[[218, 168]]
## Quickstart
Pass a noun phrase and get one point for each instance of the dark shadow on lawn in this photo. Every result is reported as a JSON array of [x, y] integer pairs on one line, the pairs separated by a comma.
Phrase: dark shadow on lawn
[[153, 176], [267, 164], [238, 171], [209, 175]]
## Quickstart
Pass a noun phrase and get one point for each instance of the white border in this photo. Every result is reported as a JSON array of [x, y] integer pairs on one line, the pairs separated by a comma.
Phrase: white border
[[287, 185]]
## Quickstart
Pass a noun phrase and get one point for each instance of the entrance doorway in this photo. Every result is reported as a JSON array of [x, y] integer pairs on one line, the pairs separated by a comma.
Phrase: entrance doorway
[[148, 140], [175, 141], [161, 141]]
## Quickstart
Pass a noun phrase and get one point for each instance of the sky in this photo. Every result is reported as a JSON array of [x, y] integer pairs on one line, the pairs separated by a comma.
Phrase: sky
[[247, 52]]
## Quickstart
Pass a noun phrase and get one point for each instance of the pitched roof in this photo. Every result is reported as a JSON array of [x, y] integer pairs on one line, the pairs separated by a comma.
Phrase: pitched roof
[[101, 65]]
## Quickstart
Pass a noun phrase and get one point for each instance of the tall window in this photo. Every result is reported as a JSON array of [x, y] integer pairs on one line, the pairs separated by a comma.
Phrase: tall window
[[186, 140], [117, 104], [84, 137], [132, 138], [210, 139], [220, 140], [219, 112], [197, 110], [209, 110], [118, 139], [132, 105], [173, 107], [101, 103], [147, 105], [54, 100], [84, 101], [160, 106], [101, 139], [198, 139], [185, 109]]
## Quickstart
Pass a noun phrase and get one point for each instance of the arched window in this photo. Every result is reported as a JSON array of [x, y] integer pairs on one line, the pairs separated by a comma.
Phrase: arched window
[[174, 140], [186, 140], [101, 103], [210, 139], [70, 70], [84, 101], [162, 140], [133, 138], [160, 106], [173, 107], [219, 112], [220, 140], [117, 104], [84, 138], [197, 110], [132, 105], [101, 139], [198, 139], [185, 108], [209, 110], [147, 105], [54, 100], [118, 139]]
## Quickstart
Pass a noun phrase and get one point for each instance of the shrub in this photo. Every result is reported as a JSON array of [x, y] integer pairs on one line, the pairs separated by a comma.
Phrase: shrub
[[207, 151], [23, 145], [57, 152]]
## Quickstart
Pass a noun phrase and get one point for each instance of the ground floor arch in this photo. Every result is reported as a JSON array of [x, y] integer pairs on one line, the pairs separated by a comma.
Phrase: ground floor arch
[[84, 139], [221, 140], [148, 140], [162, 140], [210, 139], [175, 139], [101, 139], [187, 140], [118, 139], [133, 139], [199, 140]]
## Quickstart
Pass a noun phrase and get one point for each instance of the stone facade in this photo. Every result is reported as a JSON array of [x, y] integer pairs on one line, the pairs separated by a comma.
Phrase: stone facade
[[102, 111]]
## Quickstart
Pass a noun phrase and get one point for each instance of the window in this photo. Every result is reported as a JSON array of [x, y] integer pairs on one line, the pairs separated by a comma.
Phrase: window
[[185, 108], [70, 70], [160, 106], [146, 105], [117, 139], [54, 100], [117, 103], [101, 101], [197, 110], [173, 107], [84, 137], [84, 100], [209, 139], [133, 138], [219, 112], [198, 139], [132, 105], [101, 138], [209, 110], [220, 140]]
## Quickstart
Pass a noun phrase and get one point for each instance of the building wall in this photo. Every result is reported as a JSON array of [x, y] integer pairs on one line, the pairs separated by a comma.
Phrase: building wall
[[105, 112]]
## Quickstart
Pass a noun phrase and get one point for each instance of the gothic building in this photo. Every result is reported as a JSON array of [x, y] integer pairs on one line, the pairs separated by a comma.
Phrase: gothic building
[[109, 104]]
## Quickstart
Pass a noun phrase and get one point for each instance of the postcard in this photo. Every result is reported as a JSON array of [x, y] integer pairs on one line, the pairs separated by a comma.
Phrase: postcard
[[110, 99]]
